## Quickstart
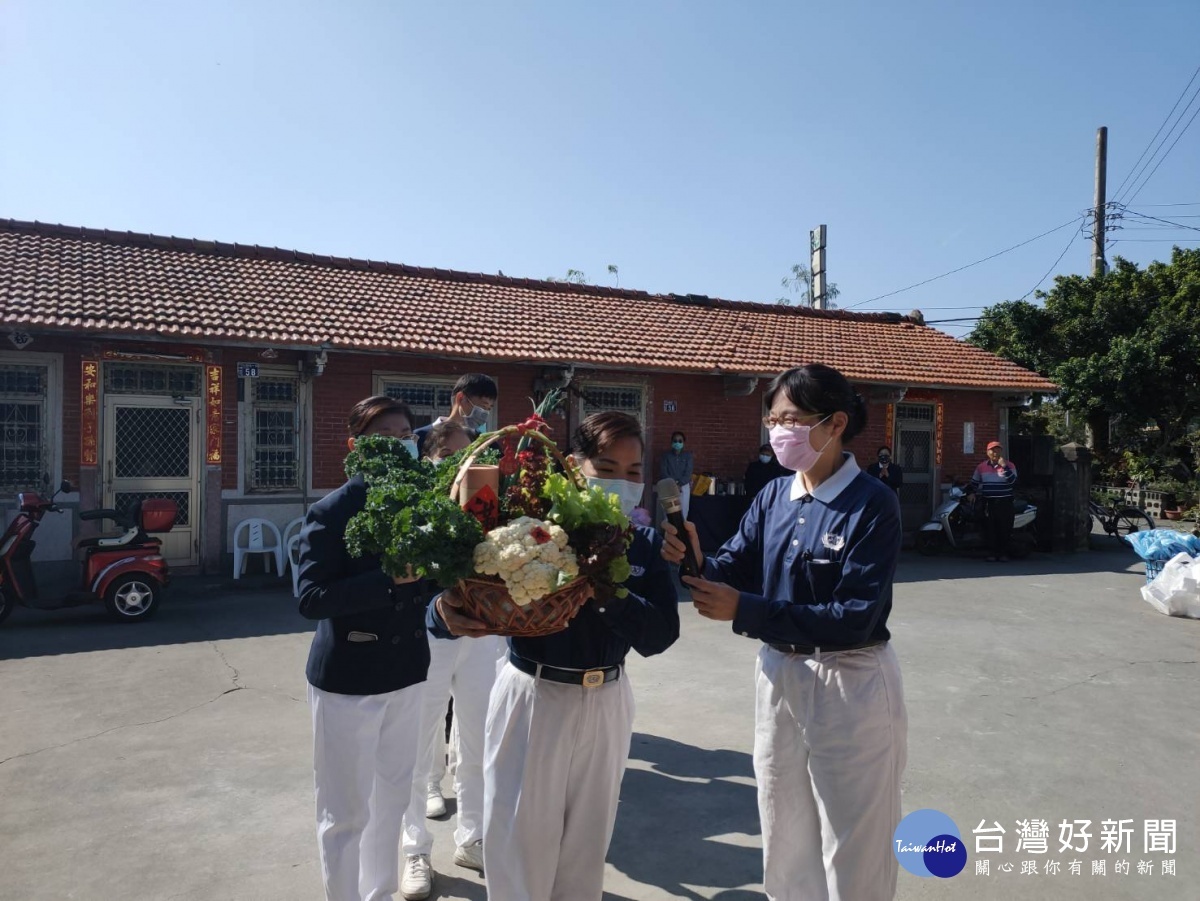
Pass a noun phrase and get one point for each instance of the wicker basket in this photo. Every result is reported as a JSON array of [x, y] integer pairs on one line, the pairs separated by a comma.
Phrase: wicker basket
[[486, 599]]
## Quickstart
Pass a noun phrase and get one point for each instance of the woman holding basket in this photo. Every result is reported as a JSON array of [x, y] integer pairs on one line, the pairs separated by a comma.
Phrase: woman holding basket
[[560, 719], [809, 574]]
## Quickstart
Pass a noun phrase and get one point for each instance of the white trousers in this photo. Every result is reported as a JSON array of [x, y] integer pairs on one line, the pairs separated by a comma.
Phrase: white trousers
[[364, 748], [685, 498], [830, 743], [465, 668], [555, 755]]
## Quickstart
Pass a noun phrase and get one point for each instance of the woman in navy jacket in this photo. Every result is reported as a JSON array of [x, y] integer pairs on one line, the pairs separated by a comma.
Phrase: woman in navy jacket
[[561, 714], [365, 672], [809, 576]]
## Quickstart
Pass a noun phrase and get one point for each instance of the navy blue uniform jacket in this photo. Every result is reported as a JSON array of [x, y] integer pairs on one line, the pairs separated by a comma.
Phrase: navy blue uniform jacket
[[354, 595], [646, 619]]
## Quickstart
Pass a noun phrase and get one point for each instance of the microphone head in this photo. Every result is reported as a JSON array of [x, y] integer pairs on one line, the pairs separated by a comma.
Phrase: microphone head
[[668, 496], [667, 488]]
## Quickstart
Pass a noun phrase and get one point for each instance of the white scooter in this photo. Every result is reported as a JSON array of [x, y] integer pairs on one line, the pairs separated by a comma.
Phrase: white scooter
[[958, 525]]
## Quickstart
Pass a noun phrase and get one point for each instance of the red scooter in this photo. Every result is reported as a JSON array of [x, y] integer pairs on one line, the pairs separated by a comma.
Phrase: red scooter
[[127, 572]]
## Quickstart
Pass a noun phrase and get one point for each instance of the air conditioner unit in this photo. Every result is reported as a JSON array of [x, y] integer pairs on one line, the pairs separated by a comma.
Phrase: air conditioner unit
[[739, 385]]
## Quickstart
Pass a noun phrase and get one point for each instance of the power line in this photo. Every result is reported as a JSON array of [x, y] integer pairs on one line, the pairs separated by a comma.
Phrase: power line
[[1055, 264], [1134, 195], [1196, 203], [968, 266], [1167, 221], [1156, 241], [1157, 133]]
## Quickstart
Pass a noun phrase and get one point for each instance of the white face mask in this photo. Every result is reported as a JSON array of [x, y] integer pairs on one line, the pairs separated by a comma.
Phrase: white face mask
[[630, 493], [410, 445]]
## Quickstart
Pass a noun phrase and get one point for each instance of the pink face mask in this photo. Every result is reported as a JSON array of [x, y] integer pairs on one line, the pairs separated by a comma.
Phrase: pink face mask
[[793, 448]]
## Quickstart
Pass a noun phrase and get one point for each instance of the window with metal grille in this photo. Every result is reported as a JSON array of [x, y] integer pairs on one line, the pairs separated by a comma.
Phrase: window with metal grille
[[151, 378], [274, 434], [427, 400], [915, 412], [23, 413], [622, 398]]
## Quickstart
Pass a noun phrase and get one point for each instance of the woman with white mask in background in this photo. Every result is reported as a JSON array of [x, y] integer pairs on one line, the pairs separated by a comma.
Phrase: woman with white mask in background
[[561, 715], [809, 574]]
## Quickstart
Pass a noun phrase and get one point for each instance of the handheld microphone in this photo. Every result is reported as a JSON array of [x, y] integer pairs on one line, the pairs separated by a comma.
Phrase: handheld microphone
[[668, 496]]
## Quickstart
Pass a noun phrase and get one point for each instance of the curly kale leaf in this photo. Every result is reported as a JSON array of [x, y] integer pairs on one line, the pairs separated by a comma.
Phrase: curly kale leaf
[[407, 521]]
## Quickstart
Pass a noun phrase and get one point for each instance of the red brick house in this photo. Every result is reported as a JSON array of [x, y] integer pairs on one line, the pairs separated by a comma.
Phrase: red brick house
[[220, 374]]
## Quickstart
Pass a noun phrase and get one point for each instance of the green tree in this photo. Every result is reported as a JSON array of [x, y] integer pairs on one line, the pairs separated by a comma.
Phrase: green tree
[[800, 282], [1124, 347]]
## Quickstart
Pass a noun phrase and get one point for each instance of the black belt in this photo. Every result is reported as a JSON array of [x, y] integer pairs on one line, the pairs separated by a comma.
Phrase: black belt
[[807, 649], [587, 678]]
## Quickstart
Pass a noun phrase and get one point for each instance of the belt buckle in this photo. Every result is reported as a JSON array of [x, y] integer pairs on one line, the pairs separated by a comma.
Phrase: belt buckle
[[593, 678]]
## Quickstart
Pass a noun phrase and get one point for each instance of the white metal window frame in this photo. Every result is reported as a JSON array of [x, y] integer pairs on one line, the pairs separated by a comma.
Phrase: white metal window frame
[[383, 379], [51, 410], [246, 431], [583, 409]]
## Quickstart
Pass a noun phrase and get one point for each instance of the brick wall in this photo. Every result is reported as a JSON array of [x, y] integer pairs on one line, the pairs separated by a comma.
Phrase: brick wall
[[722, 432]]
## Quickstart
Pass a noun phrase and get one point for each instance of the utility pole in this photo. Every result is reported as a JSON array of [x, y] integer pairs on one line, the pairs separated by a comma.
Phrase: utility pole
[[816, 239], [1099, 266]]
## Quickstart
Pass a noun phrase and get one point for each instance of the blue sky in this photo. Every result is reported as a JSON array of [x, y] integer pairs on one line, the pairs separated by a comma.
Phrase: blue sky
[[693, 144]]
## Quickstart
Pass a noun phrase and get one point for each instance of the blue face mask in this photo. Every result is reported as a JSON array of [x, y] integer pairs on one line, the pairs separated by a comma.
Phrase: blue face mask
[[410, 445], [477, 419], [764, 458], [677, 445]]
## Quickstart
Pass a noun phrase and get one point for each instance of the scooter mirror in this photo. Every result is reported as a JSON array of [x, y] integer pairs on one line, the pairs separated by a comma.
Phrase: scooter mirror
[[956, 492]]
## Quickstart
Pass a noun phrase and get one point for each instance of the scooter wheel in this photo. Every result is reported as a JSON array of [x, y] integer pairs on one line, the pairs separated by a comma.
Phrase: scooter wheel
[[1021, 546], [132, 598], [929, 544], [6, 605]]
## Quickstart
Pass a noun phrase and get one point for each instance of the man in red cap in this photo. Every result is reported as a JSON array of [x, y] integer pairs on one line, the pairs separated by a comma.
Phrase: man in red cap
[[993, 481]]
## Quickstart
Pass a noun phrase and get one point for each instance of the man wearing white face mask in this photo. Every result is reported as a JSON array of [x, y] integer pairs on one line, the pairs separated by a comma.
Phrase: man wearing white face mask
[[809, 575], [561, 714], [471, 406]]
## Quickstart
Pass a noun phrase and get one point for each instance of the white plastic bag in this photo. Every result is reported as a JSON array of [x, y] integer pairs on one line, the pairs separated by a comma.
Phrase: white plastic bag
[[1176, 590]]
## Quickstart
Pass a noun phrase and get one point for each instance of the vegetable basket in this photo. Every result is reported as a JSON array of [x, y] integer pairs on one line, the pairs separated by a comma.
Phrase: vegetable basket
[[486, 598]]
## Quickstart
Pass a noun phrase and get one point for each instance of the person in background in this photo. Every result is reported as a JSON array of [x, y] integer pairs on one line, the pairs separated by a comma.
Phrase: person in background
[[763, 469], [887, 471], [561, 717], [467, 670], [366, 670], [677, 464], [809, 575], [470, 406], [993, 482]]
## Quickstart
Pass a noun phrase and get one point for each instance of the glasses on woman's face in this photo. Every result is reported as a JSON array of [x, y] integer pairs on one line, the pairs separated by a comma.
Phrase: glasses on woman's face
[[791, 420]]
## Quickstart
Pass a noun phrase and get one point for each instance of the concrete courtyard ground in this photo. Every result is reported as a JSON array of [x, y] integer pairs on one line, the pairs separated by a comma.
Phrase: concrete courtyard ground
[[172, 760]]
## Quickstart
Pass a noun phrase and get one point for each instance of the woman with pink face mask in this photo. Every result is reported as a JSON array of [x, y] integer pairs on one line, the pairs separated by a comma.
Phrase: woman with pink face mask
[[809, 574]]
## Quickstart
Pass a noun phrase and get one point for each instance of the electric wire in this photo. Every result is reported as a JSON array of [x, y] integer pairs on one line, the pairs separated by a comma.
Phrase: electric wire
[[967, 266], [1167, 119]]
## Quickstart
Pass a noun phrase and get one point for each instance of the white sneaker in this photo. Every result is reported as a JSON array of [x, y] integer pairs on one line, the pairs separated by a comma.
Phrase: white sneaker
[[416, 882], [470, 856], [435, 804]]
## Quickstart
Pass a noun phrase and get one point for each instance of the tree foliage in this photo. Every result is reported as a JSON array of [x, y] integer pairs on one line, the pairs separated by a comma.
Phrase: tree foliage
[[800, 282], [1122, 346]]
